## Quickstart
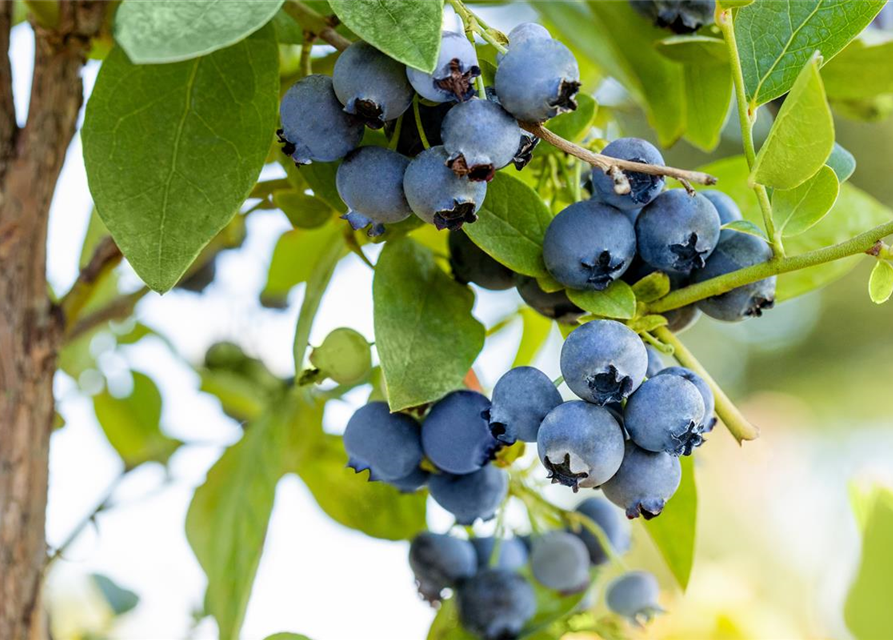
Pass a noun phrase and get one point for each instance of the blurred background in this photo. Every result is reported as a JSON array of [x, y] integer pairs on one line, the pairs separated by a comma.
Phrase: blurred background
[[777, 546]]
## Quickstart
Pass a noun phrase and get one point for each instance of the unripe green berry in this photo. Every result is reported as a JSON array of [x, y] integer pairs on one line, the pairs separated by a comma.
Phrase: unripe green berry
[[344, 356]]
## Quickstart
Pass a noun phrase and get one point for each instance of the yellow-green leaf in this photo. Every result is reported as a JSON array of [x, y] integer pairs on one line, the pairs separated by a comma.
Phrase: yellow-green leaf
[[617, 301], [880, 285], [674, 530], [800, 209], [868, 604]]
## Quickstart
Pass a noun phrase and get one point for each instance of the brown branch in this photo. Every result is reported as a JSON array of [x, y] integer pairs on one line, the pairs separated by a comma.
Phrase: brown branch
[[316, 24], [118, 309], [105, 257], [614, 167], [8, 127]]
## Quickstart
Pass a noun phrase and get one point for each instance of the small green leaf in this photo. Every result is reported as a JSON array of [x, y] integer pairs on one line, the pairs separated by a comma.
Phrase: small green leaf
[[674, 530], [648, 323], [617, 301], [802, 136], [653, 286], [425, 334], [745, 226], [406, 30], [777, 37], [842, 162], [573, 125], [880, 285], [549, 284], [694, 49], [133, 424], [534, 334], [153, 31], [708, 92], [119, 599], [867, 604], [303, 211], [296, 256], [446, 626], [863, 70], [173, 150], [511, 225], [800, 209]]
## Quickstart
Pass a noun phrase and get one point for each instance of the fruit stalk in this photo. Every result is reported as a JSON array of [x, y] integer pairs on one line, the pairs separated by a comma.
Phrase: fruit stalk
[[474, 24], [315, 23]]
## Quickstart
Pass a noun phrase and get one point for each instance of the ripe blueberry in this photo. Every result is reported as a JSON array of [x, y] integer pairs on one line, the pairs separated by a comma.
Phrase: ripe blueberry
[[470, 263], [677, 232], [528, 31], [411, 483], [480, 138], [559, 560], [522, 398], [680, 16], [456, 436], [589, 245], [616, 528], [440, 562], [314, 125], [726, 207], [643, 187], [665, 414], [678, 320], [385, 443], [453, 78], [634, 596], [470, 496], [644, 482], [702, 387], [580, 444], [537, 79], [555, 305], [370, 182], [603, 361], [735, 251], [512, 553], [439, 196], [495, 604], [371, 85]]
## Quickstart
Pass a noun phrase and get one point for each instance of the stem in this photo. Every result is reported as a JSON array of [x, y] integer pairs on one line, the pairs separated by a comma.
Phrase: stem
[[473, 24], [315, 23], [746, 119], [395, 136], [862, 243], [735, 422], [418, 123], [615, 167], [306, 51]]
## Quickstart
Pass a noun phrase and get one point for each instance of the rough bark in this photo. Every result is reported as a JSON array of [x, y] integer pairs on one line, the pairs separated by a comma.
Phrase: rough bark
[[30, 326]]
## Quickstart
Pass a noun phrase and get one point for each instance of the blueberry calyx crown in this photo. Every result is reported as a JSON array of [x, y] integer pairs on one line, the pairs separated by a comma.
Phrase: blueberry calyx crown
[[497, 429], [757, 304], [640, 184], [688, 256], [561, 472], [600, 270], [609, 386], [475, 173], [648, 508], [524, 154], [689, 440], [369, 112], [566, 98], [358, 221], [458, 83], [289, 148], [453, 219]]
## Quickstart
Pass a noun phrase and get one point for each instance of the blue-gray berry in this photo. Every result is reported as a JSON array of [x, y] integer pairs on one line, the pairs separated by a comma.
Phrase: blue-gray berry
[[496, 604], [644, 482], [512, 553], [703, 388], [480, 138], [677, 232], [472, 495], [437, 195], [634, 596], [440, 562], [644, 187], [370, 182], [612, 523], [371, 85], [385, 443], [560, 561], [522, 398], [665, 414], [456, 435], [453, 78]]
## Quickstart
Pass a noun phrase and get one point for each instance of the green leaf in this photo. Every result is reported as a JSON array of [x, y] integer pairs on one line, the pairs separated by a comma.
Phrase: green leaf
[[534, 334], [694, 49], [800, 209], [511, 225], [303, 211], [296, 256], [153, 31], [708, 92], [842, 162], [406, 30], [745, 226], [320, 177], [119, 599], [446, 626], [617, 301], [286, 636], [653, 286], [867, 606], [133, 424], [173, 150], [863, 70], [573, 125], [674, 530], [375, 508], [880, 285], [801, 137], [240, 398], [550, 605], [777, 37], [425, 334]]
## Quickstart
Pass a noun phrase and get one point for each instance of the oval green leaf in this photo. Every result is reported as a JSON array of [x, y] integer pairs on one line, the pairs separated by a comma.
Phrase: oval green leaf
[[880, 285], [867, 604], [674, 530], [745, 226], [172, 151], [653, 286], [842, 162], [800, 209], [863, 70], [617, 301]]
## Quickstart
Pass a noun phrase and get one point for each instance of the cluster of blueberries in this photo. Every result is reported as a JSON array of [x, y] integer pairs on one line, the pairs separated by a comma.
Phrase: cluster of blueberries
[[491, 578], [679, 16], [324, 119]]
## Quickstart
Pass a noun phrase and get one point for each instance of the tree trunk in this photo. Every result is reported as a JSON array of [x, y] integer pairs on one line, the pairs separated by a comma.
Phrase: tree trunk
[[30, 326]]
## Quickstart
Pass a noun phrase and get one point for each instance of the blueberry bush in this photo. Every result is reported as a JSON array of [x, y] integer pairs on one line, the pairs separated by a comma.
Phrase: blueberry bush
[[451, 158]]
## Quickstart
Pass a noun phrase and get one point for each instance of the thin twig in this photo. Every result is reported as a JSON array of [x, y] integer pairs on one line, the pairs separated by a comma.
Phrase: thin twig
[[316, 23], [106, 256], [117, 309]]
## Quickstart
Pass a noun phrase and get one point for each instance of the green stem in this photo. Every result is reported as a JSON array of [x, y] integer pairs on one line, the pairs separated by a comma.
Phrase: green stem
[[735, 422], [306, 54], [418, 123], [721, 284], [476, 25], [395, 137], [746, 119]]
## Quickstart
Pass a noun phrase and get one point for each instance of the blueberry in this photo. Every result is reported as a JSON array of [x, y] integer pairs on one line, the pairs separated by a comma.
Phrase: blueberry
[[580, 444], [412, 482], [453, 78], [480, 138], [470, 263], [726, 207], [655, 361], [735, 251], [456, 436], [560, 561], [665, 414], [603, 361], [606, 516], [370, 182], [371, 85], [644, 482], [680, 16], [555, 305], [644, 187], [677, 232], [439, 196], [440, 562], [385, 443], [589, 245], [470, 496], [678, 320], [410, 142], [512, 553], [528, 31], [634, 596], [496, 604], [314, 124], [702, 387], [522, 398], [537, 79]]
